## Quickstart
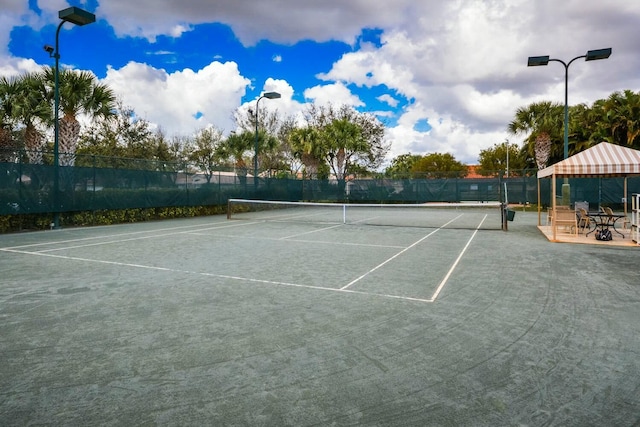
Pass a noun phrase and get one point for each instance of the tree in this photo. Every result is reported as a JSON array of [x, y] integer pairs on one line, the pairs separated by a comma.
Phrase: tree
[[400, 167], [544, 122], [306, 145], [32, 110], [438, 165], [121, 134], [9, 92], [206, 151], [493, 160], [349, 138], [621, 116], [80, 93], [235, 147]]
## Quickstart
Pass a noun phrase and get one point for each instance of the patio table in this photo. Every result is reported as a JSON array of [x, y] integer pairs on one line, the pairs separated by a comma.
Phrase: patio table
[[603, 221]]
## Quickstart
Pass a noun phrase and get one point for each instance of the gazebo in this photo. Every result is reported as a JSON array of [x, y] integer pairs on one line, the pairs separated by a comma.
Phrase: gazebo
[[604, 160]]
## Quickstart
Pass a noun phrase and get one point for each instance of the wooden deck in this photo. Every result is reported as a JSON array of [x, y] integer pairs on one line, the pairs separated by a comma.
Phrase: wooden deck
[[563, 236]]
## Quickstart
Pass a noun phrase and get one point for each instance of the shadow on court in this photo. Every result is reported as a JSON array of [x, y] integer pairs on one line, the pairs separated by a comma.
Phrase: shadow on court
[[213, 322]]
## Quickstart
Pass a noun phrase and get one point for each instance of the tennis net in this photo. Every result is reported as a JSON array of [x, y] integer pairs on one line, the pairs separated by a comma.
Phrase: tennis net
[[485, 216]]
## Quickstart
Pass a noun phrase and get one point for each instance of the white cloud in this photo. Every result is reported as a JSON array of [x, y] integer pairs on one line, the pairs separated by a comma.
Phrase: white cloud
[[388, 99], [184, 101], [336, 93]]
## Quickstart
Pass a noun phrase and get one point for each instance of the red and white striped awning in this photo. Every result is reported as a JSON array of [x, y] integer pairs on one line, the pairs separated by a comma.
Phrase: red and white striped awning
[[602, 160]]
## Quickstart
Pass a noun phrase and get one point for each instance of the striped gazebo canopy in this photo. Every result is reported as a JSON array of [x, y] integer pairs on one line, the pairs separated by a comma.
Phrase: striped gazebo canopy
[[602, 160]]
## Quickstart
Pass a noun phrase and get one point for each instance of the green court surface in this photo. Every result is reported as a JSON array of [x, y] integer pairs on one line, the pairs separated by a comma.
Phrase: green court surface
[[210, 321]]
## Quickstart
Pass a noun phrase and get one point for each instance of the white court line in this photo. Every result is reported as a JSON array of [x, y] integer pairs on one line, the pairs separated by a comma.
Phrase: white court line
[[310, 232], [455, 264], [244, 279], [319, 242], [110, 242], [397, 255], [111, 236]]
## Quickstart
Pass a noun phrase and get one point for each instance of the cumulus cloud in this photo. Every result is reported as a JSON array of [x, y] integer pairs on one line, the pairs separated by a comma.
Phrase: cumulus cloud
[[281, 22], [183, 101], [336, 93]]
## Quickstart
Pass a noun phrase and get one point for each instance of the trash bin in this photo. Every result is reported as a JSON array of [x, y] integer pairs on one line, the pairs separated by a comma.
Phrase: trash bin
[[510, 214]]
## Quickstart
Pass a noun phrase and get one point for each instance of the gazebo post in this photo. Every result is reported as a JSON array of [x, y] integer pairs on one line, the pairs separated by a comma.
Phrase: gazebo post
[[624, 195], [539, 205], [553, 205]]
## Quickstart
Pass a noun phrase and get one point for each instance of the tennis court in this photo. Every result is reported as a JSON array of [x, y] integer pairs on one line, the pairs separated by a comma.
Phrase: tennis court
[[210, 321]]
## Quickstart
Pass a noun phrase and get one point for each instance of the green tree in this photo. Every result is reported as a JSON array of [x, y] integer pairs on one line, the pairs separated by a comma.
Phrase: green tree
[[493, 160], [349, 138], [119, 135], [32, 110], [235, 148], [206, 151], [543, 121], [80, 93], [306, 145], [438, 165], [9, 93], [401, 166], [621, 116]]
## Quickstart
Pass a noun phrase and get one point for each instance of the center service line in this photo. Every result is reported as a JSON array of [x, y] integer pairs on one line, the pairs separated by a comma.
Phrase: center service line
[[396, 255], [455, 264]]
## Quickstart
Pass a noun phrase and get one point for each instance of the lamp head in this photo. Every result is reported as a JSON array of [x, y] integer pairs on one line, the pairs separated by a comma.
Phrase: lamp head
[[77, 16], [594, 55], [535, 61], [271, 95], [49, 49]]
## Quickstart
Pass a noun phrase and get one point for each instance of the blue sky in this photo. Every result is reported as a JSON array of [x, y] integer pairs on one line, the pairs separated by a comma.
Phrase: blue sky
[[442, 76]]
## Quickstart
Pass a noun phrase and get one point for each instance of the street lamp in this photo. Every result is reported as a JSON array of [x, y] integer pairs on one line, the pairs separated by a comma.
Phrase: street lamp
[[592, 55], [535, 61], [80, 17], [268, 95]]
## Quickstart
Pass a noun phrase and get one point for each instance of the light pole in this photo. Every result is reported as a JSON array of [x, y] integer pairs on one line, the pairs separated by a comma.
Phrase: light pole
[[591, 55], [535, 61], [268, 95], [506, 143], [80, 17]]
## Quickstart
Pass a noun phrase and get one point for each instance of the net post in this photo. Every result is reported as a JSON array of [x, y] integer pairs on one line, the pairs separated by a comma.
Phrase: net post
[[344, 214], [228, 208], [503, 216]]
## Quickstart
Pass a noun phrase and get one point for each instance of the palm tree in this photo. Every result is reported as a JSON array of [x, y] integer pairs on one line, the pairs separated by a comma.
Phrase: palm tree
[[344, 140], [621, 113], [32, 109], [80, 93], [306, 146], [544, 122], [585, 128], [235, 146], [8, 95]]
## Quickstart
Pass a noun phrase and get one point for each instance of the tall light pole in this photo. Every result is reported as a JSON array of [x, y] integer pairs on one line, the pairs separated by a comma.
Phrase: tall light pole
[[535, 61], [506, 143], [268, 95], [592, 55], [80, 17]]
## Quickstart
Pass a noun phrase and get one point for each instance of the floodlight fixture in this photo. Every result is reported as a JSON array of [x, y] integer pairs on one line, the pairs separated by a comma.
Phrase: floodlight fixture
[[77, 16], [594, 55], [536, 61], [271, 95]]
